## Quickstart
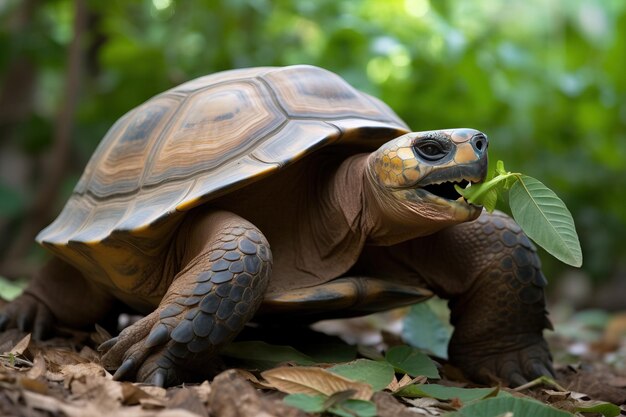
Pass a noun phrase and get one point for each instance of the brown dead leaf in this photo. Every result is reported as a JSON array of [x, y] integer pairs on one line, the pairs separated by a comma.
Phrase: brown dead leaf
[[187, 399], [250, 377], [34, 385], [21, 346], [204, 391], [100, 336], [153, 391], [58, 357], [132, 394], [388, 406], [233, 396], [42, 402], [83, 369], [89, 354], [178, 412], [396, 385], [592, 382], [39, 367], [427, 406], [313, 380]]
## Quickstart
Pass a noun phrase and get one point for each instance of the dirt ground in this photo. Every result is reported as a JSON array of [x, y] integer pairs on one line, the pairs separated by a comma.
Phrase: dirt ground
[[63, 377]]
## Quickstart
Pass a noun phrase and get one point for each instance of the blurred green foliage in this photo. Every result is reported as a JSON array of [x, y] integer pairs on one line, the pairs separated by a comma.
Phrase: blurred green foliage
[[543, 78]]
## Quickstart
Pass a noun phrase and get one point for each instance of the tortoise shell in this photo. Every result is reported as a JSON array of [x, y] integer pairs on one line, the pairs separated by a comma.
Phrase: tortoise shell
[[209, 136]]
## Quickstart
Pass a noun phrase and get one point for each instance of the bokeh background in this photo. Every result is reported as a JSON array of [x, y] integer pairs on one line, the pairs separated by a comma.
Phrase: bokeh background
[[545, 79]]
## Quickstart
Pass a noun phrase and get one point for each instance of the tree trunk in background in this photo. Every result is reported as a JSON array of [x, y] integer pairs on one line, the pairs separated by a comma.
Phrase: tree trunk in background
[[16, 106], [54, 165]]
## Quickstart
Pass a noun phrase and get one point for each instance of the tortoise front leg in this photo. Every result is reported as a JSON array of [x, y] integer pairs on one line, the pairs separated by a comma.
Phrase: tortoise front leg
[[225, 271], [491, 274]]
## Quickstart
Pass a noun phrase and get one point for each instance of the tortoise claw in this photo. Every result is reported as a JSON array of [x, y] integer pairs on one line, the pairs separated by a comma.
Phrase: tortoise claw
[[516, 379], [515, 365], [159, 378], [106, 346], [126, 368], [160, 335], [538, 369]]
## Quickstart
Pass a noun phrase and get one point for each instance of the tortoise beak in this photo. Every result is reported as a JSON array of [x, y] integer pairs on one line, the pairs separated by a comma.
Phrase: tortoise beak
[[468, 165]]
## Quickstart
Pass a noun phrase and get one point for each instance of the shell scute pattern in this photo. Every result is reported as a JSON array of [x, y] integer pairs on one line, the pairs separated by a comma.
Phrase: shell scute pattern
[[204, 138]]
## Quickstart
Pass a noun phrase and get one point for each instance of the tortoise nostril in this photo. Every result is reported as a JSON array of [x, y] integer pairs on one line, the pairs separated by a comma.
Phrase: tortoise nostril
[[479, 142]]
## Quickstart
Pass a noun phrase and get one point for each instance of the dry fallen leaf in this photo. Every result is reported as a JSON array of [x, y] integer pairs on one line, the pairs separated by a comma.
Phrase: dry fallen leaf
[[21, 346], [34, 385], [39, 367], [187, 399], [406, 380], [428, 406], [250, 377], [132, 394], [313, 380]]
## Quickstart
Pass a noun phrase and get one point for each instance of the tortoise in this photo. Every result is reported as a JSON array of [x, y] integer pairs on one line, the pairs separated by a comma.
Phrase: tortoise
[[282, 194]]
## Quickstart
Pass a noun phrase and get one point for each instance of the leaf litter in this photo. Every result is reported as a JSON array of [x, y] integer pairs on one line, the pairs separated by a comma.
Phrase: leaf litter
[[63, 377]]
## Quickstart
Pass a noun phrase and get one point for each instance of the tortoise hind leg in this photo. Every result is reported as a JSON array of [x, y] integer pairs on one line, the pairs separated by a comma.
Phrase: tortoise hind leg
[[58, 293], [224, 271], [491, 274]]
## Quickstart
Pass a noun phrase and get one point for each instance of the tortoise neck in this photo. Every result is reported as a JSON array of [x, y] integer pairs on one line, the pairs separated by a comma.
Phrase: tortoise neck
[[386, 219]]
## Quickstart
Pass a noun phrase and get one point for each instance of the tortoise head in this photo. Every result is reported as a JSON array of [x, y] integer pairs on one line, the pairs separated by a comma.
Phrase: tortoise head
[[417, 172]]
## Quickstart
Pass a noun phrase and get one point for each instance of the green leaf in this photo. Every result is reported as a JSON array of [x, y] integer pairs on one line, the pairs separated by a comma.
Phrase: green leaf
[[500, 168], [545, 219], [9, 290], [493, 407], [262, 355], [306, 402], [351, 408], [376, 373], [318, 404], [441, 392], [606, 409], [486, 193], [411, 361], [423, 329], [490, 200]]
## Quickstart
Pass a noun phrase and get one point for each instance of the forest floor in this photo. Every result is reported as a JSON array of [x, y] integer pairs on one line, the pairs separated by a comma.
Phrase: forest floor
[[63, 377]]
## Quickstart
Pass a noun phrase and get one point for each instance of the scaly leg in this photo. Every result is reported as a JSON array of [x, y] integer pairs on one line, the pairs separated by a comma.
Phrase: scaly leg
[[491, 274], [226, 263]]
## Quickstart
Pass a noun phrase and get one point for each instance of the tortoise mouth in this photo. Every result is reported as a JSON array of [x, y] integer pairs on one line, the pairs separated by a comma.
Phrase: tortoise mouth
[[439, 185], [446, 189], [444, 195]]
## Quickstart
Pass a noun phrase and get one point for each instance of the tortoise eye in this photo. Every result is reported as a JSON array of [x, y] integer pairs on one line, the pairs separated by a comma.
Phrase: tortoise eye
[[430, 150]]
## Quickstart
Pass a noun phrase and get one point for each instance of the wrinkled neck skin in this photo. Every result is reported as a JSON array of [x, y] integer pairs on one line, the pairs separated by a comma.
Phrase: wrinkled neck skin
[[386, 217]]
